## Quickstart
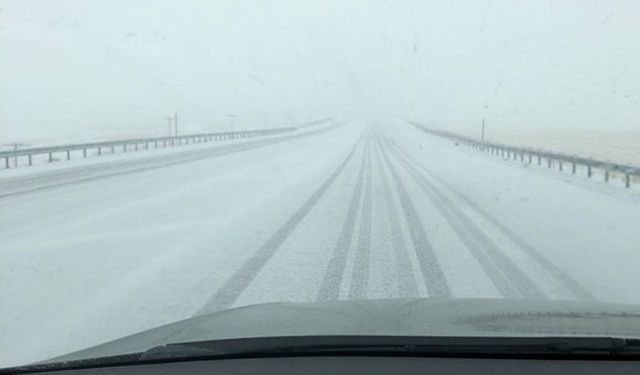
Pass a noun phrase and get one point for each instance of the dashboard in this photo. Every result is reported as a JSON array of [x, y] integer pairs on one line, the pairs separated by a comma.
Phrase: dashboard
[[350, 365]]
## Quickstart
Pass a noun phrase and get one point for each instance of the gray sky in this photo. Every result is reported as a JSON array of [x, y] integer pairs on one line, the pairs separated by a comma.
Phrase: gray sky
[[84, 67]]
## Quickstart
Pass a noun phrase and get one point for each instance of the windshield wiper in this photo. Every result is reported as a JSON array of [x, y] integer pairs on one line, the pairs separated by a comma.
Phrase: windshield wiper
[[350, 345], [478, 347]]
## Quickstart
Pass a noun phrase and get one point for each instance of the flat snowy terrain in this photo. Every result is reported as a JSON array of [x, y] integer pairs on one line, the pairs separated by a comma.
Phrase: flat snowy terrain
[[93, 250], [616, 146]]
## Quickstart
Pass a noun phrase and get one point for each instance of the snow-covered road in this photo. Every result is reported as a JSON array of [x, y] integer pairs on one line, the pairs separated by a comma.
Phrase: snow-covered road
[[94, 251]]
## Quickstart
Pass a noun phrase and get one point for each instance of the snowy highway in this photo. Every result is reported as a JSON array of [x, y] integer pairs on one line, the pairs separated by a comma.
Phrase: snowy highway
[[348, 211]]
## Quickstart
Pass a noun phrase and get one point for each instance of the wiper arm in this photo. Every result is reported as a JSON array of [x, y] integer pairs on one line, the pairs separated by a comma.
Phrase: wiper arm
[[407, 346]]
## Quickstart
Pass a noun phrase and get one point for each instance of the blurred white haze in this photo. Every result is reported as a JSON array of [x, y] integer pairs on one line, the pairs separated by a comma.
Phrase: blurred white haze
[[72, 69]]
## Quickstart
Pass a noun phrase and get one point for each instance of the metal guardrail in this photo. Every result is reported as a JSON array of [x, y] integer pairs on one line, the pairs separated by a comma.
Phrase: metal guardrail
[[551, 158], [135, 144]]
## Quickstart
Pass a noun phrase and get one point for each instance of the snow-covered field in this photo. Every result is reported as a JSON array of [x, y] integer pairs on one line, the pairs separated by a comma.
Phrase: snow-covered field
[[95, 250], [618, 146]]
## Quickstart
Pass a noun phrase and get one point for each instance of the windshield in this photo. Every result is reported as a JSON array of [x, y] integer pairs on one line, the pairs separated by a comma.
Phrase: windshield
[[164, 160]]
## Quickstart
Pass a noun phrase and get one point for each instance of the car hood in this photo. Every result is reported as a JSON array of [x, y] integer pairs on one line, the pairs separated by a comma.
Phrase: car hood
[[395, 317]]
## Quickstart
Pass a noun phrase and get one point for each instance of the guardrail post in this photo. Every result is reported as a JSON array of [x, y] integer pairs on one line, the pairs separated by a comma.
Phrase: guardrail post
[[84, 152], [99, 151], [30, 160], [560, 165], [124, 147], [136, 146], [573, 168], [606, 176], [548, 162], [146, 145], [113, 149], [50, 157], [6, 162], [521, 157], [539, 160], [627, 180], [589, 171], [68, 155]]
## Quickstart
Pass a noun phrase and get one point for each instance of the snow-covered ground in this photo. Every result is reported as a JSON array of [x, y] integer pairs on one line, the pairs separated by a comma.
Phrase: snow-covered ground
[[92, 251], [618, 146]]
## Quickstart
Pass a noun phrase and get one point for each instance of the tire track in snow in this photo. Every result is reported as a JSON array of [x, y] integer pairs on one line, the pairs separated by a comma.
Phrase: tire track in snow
[[508, 278], [407, 285], [437, 285], [332, 280], [229, 292], [563, 278], [360, 276]]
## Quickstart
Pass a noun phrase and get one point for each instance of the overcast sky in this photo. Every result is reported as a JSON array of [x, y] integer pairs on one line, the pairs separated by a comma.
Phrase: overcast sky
[[89, 66]]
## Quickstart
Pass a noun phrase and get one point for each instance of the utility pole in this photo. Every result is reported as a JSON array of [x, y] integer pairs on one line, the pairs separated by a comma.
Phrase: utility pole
[[482, 135], [169, 118], [232, 117], [175, 121]]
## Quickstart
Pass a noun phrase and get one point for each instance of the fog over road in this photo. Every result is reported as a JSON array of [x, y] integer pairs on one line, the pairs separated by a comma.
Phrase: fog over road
[[347, 211]]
